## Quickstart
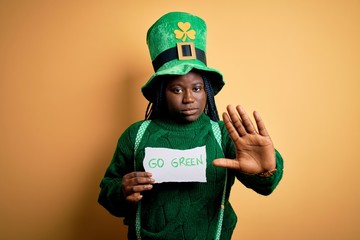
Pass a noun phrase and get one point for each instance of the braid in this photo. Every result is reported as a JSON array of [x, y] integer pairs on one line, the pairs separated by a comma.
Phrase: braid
[[153, 109], [211, 109], [149, 110]]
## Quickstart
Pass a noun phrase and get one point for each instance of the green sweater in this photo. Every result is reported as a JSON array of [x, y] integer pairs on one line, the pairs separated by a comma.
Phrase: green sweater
[[179, 210]]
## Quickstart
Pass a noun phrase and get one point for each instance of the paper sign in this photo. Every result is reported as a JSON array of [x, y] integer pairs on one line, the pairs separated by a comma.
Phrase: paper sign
[[172, 165]]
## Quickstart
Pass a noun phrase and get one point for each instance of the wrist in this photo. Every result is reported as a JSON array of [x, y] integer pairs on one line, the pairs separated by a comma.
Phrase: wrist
[[267, 173]]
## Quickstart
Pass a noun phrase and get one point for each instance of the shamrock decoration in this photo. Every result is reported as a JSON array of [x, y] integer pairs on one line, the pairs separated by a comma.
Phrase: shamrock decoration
[[185, 32]]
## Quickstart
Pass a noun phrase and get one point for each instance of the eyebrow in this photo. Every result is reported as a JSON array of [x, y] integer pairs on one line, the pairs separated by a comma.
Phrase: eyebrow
[[199, 82], [171, 84]]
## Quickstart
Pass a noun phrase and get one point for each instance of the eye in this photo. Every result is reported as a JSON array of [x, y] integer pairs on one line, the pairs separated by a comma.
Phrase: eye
[[176, 90], [197, 88]]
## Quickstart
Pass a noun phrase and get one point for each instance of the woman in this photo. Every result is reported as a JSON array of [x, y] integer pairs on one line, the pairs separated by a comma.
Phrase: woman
[[182, 117]]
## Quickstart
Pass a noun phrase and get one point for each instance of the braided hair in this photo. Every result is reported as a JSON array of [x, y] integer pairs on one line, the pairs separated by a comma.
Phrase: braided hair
[[210, 108], [156, 109]]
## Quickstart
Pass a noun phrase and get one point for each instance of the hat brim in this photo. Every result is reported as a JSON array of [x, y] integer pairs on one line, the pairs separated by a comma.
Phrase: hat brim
[[177, 67]]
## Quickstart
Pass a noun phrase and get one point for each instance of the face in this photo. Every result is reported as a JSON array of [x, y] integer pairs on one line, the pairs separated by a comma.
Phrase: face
[[186, 97]]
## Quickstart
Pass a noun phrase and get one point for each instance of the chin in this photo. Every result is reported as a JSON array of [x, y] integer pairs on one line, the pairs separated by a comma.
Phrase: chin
[[189, 119]]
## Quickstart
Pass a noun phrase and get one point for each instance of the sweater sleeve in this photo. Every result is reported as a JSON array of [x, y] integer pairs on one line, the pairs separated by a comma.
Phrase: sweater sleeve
[[264, 185], [261, 185], [111, 196]]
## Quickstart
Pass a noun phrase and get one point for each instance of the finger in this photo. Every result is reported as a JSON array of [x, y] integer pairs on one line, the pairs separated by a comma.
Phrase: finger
[[135, 197], [247, 123], [136, 182], [236, 121], [226, 163], [135, 178], [260, 124], [234, 135], [141, 180], [141, 188], [130, 190], [137, 174]]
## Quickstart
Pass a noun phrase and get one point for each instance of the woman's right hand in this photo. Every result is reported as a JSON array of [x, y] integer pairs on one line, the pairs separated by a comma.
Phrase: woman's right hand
[[134, 183]]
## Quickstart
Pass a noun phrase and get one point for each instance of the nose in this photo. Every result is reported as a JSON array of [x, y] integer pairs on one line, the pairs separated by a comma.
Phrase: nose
[[188, 97]]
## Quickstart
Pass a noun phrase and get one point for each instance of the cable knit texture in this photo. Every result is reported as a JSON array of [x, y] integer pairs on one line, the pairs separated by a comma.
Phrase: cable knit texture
[[178, 210]]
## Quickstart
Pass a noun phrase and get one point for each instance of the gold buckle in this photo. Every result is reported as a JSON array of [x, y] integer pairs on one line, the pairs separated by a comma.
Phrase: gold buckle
[[180, 48]]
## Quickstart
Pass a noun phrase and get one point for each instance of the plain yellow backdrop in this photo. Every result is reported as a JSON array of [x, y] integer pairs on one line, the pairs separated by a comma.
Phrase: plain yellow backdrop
[[70, 78]]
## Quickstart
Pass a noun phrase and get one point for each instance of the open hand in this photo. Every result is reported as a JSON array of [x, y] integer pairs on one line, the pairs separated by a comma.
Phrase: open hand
[[134, 183], [254, 149]]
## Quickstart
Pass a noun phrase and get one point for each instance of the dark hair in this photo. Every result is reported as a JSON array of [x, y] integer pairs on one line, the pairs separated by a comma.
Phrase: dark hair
[[210, 108], [156, 109]]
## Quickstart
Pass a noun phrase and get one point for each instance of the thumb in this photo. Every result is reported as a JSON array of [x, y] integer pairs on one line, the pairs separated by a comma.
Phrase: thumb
[[226, 163]]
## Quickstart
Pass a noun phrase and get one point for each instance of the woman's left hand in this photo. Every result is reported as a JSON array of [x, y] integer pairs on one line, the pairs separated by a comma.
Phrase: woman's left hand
[[255, 152]]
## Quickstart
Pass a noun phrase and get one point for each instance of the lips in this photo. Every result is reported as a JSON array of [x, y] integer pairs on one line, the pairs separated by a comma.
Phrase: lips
[[190, 111]]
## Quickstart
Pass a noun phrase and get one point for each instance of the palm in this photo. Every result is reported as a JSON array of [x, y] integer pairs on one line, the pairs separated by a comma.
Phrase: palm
[[254, 149]]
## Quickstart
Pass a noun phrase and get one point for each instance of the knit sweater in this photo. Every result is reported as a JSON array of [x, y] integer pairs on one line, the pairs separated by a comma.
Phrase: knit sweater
[[173, 210]]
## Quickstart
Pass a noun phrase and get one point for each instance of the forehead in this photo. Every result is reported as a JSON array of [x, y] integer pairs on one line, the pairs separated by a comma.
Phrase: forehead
[[189, 79]]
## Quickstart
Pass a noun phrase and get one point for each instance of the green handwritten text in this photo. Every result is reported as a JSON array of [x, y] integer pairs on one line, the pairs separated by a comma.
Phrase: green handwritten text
[[156, 162], [187, 162]]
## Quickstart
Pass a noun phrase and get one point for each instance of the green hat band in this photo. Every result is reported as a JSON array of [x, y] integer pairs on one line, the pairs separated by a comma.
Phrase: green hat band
[[182, 51]]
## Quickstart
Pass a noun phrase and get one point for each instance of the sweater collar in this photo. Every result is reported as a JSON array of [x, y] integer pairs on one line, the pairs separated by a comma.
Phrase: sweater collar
[[171, 124]]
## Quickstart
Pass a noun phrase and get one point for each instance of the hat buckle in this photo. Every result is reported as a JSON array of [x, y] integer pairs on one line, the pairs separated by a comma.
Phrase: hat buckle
[[186, 50]]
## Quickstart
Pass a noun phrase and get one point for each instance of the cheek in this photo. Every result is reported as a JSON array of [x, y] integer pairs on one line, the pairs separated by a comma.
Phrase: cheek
[[203, 100], [171, 102]]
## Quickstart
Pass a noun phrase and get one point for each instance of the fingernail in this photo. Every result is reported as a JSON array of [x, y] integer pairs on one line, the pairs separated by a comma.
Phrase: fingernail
[[147, 187]]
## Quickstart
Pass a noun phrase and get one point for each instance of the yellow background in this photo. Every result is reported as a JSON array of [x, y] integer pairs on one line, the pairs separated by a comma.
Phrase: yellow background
[[70, 78]]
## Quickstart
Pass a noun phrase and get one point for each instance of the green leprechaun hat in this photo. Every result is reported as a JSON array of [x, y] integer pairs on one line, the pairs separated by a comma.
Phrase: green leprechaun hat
[[177, 45]]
